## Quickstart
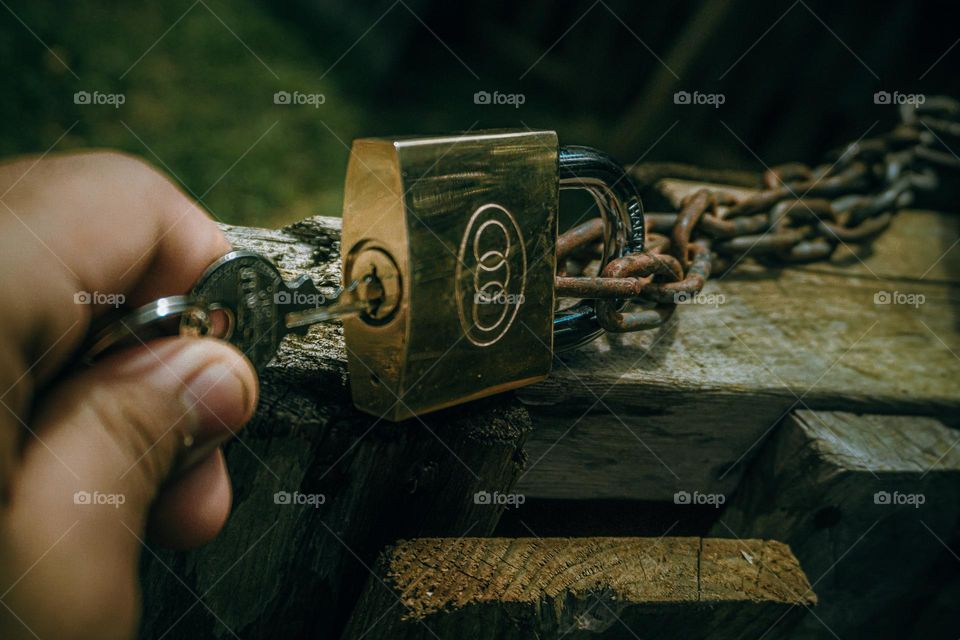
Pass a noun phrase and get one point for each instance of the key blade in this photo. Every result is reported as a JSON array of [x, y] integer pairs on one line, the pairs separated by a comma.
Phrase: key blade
[[303, 305], [303, 308], [306, 317]]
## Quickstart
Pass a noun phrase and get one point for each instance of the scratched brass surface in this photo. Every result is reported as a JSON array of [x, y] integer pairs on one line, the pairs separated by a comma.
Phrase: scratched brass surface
[[470, 225]]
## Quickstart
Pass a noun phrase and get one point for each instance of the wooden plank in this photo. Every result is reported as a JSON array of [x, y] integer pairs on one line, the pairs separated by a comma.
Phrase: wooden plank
[[521, 588], [867, 503], [294, 570], [671, 418], [918, 245], [644, 415]]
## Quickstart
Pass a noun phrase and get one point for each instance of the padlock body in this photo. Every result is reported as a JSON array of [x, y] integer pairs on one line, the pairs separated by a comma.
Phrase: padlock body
[[468, 223]]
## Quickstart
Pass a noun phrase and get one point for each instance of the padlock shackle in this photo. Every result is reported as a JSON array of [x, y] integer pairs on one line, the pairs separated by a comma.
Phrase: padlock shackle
[[624, 231]]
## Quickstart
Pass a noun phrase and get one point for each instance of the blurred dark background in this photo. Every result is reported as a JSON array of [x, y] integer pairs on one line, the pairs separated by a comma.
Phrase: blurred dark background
[[198, 79]]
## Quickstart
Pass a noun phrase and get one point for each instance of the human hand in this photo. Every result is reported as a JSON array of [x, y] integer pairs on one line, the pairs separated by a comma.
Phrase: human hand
[[94, 463]]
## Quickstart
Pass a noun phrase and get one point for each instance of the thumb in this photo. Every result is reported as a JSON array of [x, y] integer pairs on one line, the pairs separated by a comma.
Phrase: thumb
[[106, 441], [141, 417]]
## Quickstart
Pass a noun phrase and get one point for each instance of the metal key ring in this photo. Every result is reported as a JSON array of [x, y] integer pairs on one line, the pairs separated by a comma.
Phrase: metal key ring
[[624, 232], [149, 321]]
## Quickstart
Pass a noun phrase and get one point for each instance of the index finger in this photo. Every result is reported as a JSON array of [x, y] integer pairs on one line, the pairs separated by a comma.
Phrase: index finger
[[94, 222]]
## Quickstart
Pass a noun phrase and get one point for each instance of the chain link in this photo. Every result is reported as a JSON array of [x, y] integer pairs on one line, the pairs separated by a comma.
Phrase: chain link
[[801, 214]]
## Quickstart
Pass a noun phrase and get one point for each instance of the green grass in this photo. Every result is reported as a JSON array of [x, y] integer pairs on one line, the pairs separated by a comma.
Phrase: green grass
[[198, 103]]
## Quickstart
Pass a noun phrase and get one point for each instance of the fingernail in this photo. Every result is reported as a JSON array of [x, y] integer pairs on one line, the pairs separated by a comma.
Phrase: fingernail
[[216, 388], [219, 400]]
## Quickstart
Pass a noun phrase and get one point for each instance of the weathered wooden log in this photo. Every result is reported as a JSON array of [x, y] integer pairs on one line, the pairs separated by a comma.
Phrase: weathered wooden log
[[631, 416], [643, 415], [868, 503], [320, 488], [521, 588]]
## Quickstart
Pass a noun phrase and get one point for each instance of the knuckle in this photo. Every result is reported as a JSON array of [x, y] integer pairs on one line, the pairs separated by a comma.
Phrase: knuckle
[[135, 172], [121, 163], [131, 170]]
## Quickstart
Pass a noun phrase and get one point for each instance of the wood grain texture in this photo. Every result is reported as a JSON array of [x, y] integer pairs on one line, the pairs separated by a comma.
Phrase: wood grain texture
[[636, 416], [644, 415], [513, 588], [294, 570], [868, 503]]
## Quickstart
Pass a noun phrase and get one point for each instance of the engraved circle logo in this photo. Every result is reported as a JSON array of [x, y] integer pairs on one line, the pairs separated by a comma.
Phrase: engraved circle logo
[[491, 275]]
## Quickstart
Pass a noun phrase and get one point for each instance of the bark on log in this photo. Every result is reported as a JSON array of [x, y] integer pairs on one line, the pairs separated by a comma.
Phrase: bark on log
[[293, 570], [868, 503], [576, 588]]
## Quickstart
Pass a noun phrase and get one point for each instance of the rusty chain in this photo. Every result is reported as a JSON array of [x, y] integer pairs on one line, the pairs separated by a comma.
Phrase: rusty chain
[[800, 214]]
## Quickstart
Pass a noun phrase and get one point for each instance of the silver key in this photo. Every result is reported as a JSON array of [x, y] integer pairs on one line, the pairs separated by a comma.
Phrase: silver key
[[242, 298], [252, 307]]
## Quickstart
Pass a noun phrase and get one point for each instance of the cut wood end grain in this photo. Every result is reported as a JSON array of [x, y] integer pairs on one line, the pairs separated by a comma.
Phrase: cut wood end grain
[[434, 575]]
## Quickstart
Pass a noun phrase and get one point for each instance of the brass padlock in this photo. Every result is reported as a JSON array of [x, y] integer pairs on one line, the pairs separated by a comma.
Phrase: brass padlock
[[460, 232]]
